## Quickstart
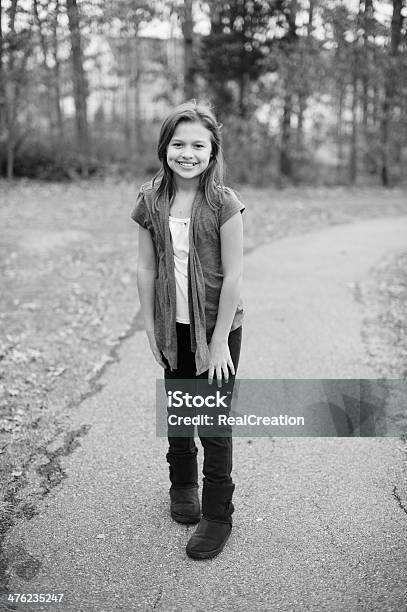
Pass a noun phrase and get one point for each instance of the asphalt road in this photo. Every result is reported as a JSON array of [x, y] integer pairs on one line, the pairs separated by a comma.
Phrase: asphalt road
[[320, 522]]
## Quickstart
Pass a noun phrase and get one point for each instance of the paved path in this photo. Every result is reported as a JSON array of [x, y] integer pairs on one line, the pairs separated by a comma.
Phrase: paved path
[[320, 523]]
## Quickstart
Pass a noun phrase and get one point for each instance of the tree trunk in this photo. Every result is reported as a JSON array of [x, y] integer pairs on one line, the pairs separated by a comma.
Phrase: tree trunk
[[244, 77], [300, 122], [10, 159], [339, 132], [390, 91], [10, 91], [367, 59], [79, 83], [138, 123], [56, 75], [376, 91], [304, 92], [285, 150], [357, 74], [13, 96], [47, 70], [189, 65], [2, 81], [127, 118], [366, 14], [353, 158], [244, 82]]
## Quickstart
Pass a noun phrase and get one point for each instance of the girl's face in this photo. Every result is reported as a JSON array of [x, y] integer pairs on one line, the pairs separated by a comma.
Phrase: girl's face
[[189, 150]]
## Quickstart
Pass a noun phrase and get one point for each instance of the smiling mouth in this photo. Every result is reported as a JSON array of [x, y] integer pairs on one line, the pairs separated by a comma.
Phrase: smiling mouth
[[187, 164]]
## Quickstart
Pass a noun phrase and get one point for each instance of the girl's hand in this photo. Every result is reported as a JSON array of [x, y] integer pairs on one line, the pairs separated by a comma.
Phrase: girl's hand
[[219, 361], [154, 349]]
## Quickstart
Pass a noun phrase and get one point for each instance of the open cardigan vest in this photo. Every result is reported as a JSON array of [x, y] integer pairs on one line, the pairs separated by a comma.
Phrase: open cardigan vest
[[205, 276]]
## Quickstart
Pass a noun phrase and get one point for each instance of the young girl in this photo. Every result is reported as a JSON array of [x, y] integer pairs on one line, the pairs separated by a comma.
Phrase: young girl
[[189, 280]]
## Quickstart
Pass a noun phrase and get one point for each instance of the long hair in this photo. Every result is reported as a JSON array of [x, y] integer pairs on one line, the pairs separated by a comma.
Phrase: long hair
[[211, 179]]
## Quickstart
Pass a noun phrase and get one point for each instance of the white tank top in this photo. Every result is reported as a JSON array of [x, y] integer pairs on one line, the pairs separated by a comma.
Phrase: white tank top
[[179, 229]]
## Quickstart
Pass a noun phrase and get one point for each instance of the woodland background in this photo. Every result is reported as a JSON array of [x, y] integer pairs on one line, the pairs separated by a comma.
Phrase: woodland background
[[306, 90]]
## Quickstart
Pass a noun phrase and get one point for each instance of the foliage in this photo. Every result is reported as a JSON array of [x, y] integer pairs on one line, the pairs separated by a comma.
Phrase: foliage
[[310, 90], [38, 158], [232, 55]]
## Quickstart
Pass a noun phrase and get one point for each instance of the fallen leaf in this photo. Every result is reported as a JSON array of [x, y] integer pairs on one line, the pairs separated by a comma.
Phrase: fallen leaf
[[30, 306], [18, 357], [58, 371]]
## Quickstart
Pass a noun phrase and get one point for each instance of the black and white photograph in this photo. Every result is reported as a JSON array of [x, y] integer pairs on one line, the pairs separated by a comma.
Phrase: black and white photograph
[[203, 305]]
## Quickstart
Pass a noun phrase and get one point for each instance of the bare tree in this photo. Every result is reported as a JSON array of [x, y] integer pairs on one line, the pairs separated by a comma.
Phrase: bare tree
[[79, 82], [2, 80], [44, 49], [57, 70], [46, 19], [285, 150], [355, 75], [128, 17], [304, 89], [390, 90], [367, 24], [189, 64], [353, 150], [14, 79]]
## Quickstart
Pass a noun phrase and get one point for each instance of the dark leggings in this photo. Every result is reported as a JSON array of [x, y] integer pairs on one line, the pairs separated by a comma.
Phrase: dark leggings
[[217, 465]]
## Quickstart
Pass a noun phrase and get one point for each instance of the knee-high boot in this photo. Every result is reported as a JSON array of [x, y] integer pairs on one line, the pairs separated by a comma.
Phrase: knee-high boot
[[185, 507], [215, 525]]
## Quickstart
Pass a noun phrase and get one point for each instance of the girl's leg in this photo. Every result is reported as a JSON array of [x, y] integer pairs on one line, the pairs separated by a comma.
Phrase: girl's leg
[[182, 451], [217, 507], [218, 449], [180, 379]]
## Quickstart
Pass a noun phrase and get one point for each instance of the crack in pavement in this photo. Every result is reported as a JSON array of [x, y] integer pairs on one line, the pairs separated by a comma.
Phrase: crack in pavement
[[52, 474], [398, 499], [158, 597]]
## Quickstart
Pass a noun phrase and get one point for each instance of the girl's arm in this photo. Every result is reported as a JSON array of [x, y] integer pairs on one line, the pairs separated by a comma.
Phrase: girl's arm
[[146, 271], [231, 236]]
